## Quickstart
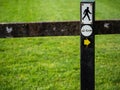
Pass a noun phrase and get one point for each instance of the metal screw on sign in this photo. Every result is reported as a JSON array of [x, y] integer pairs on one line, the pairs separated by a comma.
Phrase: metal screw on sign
[[87, 44]]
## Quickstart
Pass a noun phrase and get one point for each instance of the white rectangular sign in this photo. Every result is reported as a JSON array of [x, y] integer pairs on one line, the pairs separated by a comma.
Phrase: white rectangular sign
[[87, 13]]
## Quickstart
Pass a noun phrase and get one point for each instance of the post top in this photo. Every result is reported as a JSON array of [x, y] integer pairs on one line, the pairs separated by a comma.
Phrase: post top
[[87, 0]]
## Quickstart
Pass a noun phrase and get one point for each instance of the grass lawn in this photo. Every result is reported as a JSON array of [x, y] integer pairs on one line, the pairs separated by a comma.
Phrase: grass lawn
[[53, 63], [48, 63], [53, 10], [107, 62], [38, 10]]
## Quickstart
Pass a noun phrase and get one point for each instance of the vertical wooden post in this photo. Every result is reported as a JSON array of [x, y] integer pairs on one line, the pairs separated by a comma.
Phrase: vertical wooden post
[[87, 45]]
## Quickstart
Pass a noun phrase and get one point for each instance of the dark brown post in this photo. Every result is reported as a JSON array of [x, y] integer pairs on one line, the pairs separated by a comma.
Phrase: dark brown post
[[87, 44]]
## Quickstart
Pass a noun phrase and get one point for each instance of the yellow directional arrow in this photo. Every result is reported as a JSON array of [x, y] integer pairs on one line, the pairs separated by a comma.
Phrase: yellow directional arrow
[[86, 42]]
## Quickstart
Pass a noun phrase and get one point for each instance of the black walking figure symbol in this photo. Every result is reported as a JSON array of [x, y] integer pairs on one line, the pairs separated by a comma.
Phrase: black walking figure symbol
[[86, 13]]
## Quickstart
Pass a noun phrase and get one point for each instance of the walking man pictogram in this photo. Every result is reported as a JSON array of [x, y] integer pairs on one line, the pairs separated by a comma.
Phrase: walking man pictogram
[[86, 13]]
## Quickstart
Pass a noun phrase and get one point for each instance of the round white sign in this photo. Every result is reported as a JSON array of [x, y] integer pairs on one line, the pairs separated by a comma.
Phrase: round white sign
[[86, 30]]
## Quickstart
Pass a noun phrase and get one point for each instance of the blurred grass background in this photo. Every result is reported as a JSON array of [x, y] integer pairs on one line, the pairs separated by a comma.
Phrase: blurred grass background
[[53, 10], [53, 63]]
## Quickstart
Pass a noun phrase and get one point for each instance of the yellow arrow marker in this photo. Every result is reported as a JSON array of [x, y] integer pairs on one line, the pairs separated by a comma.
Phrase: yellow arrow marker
[[86, 42]]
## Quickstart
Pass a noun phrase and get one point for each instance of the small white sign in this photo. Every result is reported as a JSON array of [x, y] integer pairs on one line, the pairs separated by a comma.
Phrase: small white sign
[[87, 13], [9, 29], [86, 30]]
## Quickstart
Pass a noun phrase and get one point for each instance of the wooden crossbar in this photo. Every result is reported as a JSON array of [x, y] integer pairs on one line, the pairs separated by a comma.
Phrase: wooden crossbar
[[66, 28]]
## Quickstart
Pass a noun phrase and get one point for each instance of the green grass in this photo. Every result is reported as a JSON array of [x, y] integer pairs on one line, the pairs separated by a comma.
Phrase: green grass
[[107, 9], [49, 63], [53, 63], [107, 62], [38, 10], [53, 10]]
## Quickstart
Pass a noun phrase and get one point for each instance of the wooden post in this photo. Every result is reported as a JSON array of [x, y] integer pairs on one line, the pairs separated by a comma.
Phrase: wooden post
[[87, 45]]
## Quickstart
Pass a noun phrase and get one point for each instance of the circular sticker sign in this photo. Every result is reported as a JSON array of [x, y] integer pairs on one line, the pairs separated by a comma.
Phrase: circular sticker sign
[[86, 30]]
